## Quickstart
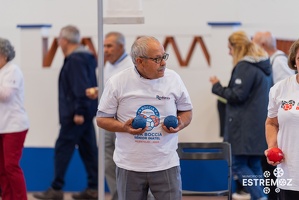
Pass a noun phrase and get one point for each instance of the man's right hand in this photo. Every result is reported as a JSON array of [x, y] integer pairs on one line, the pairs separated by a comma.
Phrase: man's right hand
[[128, 127], [92, 93]]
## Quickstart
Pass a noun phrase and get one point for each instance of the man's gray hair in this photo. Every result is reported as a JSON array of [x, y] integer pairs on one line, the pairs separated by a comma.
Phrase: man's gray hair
[[268, 39], [120, 38], [71, 34], [140, 47], [6, 49]]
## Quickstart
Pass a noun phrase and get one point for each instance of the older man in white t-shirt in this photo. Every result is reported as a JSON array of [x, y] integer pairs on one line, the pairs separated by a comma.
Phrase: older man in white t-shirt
[[146, 158]]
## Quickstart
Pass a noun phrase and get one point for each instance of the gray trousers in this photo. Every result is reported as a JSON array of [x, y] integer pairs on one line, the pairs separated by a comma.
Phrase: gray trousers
[[109, 164], [110, 167], [164, 185]]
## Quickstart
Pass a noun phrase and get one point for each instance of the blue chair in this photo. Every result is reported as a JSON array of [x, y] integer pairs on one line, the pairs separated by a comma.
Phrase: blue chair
[[207, 152]]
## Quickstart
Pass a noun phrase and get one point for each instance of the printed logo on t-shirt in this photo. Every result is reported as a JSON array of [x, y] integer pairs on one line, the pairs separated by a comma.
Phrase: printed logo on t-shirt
[[152, 116], [162, 97], [288, 105]]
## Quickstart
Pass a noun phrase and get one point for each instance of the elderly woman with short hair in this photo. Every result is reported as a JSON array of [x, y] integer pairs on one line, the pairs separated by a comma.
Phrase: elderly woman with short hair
[[13, 125]]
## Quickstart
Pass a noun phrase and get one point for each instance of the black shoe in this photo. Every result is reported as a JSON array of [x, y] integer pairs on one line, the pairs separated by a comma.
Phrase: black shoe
[[49, 194], [87, 194]]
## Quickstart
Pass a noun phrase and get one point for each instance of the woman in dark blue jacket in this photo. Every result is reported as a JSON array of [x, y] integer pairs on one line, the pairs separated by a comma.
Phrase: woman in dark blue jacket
[[246, 111]]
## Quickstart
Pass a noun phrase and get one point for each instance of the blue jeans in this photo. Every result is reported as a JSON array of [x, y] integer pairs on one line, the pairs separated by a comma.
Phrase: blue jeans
[[249, 172]]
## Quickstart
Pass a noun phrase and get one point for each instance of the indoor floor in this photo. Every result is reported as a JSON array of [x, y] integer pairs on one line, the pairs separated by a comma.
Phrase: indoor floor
[[67, 196]]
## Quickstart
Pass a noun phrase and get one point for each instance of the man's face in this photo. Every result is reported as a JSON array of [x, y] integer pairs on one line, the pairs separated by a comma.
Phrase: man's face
[[257, 39], [149, 67], [112, 50], [230, 49], [2, 60], [297, 59], [62, 42]]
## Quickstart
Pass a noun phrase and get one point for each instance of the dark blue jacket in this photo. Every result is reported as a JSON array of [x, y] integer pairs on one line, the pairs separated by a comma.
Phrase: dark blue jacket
[[77, 74], [246, 110]]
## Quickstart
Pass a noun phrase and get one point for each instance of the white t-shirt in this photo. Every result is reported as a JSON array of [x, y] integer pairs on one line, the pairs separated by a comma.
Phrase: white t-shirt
[[112, 69], [127, 95], [284, 104], [13, 115], [280, 66]]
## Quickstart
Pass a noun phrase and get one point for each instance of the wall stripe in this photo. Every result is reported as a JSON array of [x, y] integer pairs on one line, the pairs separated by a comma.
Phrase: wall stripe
[[38, 167], [37, 164]]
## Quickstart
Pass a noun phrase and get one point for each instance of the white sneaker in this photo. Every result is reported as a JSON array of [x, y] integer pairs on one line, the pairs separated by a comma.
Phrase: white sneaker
[[241, 196], [263, 198]]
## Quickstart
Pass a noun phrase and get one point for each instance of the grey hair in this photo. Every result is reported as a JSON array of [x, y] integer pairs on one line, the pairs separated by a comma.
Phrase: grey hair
[[71, 34], [7, 50], [269, 39], [120, 38], [140, 47]]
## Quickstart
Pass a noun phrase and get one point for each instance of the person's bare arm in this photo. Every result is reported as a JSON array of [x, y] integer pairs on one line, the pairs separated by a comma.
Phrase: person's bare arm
[[272, 127], [113, 125], [271, 131]]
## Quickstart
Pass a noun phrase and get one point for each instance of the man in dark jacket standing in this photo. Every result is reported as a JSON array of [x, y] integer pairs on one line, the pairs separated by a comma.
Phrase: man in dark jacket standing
[[76, 113]]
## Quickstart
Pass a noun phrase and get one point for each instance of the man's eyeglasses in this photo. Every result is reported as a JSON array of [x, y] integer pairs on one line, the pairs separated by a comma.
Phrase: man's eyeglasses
[[157, 60]]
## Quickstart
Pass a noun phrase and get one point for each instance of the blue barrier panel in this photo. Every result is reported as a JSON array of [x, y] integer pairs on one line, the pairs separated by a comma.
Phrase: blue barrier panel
[[38, 167]]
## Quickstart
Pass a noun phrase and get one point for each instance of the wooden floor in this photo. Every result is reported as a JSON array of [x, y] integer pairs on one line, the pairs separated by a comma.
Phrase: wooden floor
[[67, 196]]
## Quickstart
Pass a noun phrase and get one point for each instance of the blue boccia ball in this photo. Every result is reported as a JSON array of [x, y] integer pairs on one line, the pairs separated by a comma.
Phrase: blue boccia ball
[[139, 122], [171, 121]]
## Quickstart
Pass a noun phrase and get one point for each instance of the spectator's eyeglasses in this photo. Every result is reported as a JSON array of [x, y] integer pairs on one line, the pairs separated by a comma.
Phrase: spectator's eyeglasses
[[157, 60]]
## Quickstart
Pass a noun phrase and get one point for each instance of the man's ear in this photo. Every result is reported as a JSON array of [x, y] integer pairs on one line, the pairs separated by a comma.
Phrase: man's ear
[[139, 60], [122, 46], [263, 45]]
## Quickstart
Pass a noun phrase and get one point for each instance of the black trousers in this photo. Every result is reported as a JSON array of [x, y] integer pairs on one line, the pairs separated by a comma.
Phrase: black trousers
[[267, 167], [221, 112], [288, 195]]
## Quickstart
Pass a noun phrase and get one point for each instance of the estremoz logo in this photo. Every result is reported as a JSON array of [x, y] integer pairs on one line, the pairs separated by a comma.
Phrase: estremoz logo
[[266, 182]]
